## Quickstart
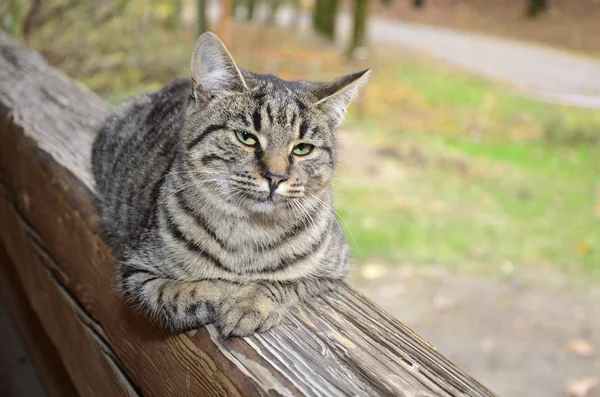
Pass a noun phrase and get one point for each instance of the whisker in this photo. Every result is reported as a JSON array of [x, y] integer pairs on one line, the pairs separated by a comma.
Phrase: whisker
[[341, 219], [235, 197], [302, 204], [304, 213], [297, 211]]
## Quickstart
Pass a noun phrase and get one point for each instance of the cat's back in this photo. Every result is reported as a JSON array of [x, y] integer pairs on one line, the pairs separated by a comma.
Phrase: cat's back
[[126, 131], [134, 147]]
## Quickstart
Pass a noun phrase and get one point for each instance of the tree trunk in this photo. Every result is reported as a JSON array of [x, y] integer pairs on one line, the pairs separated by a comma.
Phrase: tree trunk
[[360, 26], [275, 4], [318, 15], [295, 22], [30, 19], [329, 30], [176, 16], [250, 7], [324, 17], [225, 23], [201, 17], [536, 7]]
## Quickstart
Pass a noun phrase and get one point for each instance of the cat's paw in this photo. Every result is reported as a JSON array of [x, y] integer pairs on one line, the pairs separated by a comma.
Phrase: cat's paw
[[247, 312]]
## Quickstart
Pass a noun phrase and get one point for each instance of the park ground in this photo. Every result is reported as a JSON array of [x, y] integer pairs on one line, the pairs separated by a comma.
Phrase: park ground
[[473, 212]]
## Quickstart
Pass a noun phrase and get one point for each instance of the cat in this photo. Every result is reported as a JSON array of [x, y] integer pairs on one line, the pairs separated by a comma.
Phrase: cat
[[215, 194]]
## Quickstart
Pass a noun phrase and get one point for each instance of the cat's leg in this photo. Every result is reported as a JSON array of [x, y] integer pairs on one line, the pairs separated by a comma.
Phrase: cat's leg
[[179, 305], [258, 306]]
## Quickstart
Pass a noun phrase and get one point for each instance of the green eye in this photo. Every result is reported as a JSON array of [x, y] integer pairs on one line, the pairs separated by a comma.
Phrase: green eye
[[246, 138], [303, 149]]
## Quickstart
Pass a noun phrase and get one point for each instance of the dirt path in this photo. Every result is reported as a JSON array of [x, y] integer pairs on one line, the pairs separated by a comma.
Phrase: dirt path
[[516, 337], [543, 72], [549, 73]]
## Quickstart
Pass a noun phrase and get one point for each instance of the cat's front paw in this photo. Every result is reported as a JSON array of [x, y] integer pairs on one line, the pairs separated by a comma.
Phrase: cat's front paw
[[247, 312]]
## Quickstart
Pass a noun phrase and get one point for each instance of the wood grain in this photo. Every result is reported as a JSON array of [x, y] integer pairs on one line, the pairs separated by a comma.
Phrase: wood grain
[[42, 354], [336, 346]]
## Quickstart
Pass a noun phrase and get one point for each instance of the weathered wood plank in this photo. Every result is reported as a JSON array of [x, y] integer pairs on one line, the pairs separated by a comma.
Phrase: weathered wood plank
[[341, 345], [42, 351], [18, 375], [81, 355]]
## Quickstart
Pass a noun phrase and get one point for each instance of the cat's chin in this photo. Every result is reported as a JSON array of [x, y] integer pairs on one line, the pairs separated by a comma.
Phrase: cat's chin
[[263, 206], [266, 205]]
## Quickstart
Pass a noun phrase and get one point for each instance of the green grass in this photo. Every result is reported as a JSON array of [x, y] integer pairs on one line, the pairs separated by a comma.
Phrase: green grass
[[509, 207], [523, 189], [428, 98]]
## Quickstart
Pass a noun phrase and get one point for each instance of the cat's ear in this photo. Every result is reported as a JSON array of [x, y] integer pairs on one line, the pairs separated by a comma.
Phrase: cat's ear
[[335, 97], [213, 69]]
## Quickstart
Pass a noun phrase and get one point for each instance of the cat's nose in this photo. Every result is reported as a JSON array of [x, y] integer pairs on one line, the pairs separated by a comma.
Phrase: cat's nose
[[274, 180]]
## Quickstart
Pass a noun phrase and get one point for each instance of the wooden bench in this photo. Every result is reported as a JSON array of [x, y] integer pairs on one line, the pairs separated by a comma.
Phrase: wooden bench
[[57, 277]]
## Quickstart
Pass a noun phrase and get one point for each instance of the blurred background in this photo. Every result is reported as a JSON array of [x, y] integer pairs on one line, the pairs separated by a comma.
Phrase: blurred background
[[469, 183]]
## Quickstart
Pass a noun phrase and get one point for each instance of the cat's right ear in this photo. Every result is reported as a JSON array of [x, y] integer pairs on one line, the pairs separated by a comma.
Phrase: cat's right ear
[[214, 71]]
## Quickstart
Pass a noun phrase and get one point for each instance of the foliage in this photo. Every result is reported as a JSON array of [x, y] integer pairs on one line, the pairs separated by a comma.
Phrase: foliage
[[571, 130], [360, 14]]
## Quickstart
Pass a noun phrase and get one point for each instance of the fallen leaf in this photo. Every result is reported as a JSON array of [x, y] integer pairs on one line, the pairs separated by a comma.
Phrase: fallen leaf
[[443, 303], [372, 271], [390, 291], [582, 387], [405, 272], [369, 223], [488, 344], [507, 268], [583, 248], [581, 347]]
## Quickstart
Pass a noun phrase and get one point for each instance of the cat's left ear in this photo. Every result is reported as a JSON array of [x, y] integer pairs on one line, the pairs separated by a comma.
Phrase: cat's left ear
[[335, 97], [214, 71]]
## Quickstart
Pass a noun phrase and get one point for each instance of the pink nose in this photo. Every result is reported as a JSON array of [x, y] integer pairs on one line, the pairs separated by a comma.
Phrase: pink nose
[[274, 180]]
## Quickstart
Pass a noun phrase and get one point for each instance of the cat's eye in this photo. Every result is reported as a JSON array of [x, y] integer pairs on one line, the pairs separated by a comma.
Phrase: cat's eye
[[246, 138], [303, 149]]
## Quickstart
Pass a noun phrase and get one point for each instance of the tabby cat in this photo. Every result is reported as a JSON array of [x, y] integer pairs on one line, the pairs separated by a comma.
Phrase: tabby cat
[[217, 201]]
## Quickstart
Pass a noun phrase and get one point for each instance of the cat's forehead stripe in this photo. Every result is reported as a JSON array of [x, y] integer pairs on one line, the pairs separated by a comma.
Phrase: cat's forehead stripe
[[270, 113], [282, 117], [256, 120], [293, 122], [303, 129]]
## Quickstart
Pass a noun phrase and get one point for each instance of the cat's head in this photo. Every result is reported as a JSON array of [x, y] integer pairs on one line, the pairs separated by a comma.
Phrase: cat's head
[[265, 142]]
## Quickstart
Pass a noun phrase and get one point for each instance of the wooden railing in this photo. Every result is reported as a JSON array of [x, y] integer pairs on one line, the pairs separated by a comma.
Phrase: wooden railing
[[57, 277]]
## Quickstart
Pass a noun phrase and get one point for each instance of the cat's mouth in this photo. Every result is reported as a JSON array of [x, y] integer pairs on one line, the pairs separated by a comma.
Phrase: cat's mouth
[[270, 198], [266, 204], [260, 201], [257, 197]]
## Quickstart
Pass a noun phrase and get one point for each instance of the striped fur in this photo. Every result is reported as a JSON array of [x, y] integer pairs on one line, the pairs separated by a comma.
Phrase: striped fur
[[206, 228]]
